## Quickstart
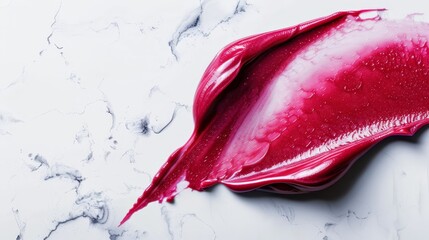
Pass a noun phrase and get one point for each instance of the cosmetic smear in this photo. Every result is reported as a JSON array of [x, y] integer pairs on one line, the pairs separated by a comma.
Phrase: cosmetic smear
[[291, 110]]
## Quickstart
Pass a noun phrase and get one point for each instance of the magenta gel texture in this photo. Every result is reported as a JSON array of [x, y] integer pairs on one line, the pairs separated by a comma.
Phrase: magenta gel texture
[[291, 110]]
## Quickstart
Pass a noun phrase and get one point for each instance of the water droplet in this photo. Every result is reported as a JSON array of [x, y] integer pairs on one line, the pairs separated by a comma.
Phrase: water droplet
[[353, 87], [310, 54]]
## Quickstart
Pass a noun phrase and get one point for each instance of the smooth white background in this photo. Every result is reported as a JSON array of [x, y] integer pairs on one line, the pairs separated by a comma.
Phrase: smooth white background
[[95, 95]]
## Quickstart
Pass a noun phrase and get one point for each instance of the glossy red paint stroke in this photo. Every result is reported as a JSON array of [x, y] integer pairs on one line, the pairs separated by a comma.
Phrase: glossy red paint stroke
[[291, 110]]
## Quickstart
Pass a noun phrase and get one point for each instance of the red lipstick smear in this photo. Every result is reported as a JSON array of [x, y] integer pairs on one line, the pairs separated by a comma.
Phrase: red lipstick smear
[[291, 110]]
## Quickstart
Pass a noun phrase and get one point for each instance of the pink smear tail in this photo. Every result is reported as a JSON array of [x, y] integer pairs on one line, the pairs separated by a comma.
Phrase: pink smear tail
[[161, 188]]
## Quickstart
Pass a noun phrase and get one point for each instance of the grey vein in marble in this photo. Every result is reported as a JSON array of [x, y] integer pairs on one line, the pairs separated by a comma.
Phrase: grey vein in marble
[[194, 24]]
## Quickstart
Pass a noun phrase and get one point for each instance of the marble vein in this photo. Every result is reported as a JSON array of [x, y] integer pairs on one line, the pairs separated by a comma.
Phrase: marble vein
[[192, 25], [48, 39]]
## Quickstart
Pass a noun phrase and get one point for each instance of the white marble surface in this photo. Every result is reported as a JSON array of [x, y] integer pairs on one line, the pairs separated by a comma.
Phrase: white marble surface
[[94, 96]]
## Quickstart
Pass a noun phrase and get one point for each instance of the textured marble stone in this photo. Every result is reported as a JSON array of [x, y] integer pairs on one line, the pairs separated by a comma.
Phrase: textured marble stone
[[95, 95]]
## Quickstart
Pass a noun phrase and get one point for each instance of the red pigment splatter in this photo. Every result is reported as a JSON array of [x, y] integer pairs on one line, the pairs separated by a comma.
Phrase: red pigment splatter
[[291, 110]]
